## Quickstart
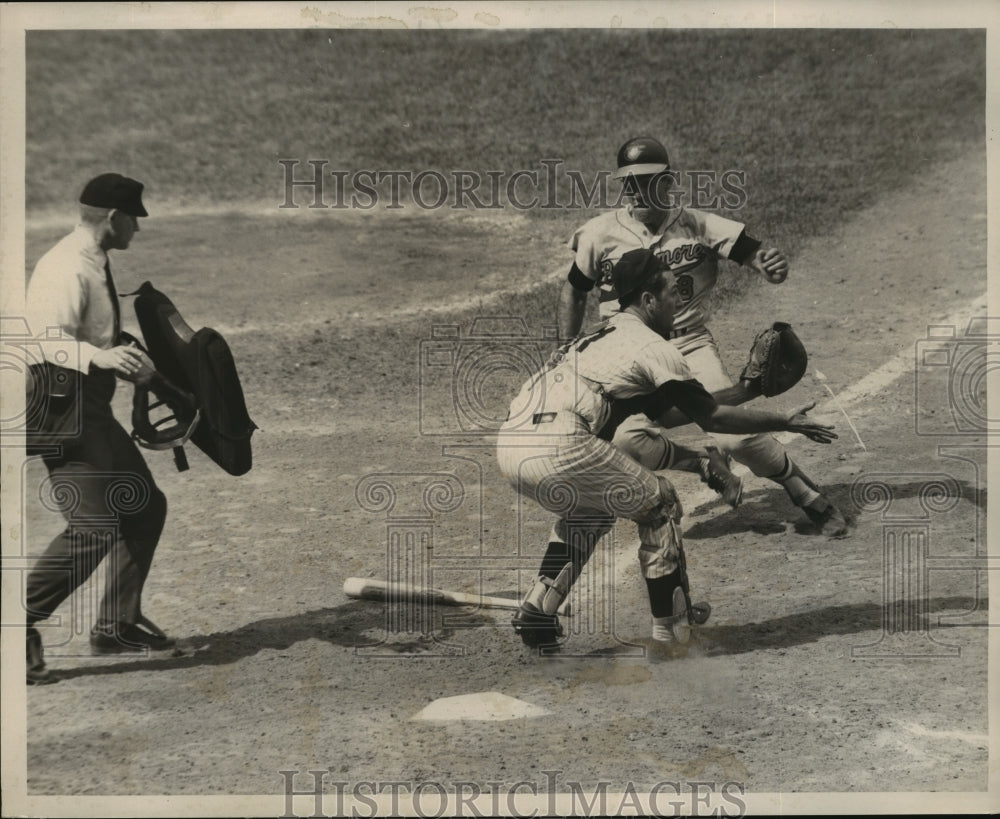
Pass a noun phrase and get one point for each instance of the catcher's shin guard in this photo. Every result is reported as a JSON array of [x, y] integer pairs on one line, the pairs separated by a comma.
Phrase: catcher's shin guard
[[535, 628], [536, 622], [670, 601], [659, 537], [548, 593]]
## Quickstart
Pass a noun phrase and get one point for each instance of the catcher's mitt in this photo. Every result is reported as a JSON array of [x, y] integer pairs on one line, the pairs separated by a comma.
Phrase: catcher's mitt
[[777, 360]]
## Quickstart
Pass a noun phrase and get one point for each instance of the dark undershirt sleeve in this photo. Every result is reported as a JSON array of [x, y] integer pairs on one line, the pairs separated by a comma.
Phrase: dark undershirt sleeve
[[691, 398], [579, 281], [743, 248]]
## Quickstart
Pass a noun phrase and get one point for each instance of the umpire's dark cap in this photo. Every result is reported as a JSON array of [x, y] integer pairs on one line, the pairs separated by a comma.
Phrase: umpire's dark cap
[[112, 190], [633, 270]]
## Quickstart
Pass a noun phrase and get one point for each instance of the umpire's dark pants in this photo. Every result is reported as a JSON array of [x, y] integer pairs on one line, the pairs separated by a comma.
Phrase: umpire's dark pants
[[113, 509]]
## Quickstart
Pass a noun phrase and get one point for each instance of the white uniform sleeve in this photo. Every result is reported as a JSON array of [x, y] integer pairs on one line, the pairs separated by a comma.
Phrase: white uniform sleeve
[[54, 306], [661, 362], [717, 232]]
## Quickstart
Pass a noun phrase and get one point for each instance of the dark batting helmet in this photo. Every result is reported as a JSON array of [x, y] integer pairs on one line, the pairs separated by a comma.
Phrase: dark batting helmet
[[640, 157]]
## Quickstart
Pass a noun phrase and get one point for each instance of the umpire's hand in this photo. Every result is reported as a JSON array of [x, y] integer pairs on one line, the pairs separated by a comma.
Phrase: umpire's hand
[[125, 361]]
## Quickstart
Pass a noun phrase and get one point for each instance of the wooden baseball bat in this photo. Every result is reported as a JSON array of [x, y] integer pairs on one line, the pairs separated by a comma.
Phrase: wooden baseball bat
[[371, 589]]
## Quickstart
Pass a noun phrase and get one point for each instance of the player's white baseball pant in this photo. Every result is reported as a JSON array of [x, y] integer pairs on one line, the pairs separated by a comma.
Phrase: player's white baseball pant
[[648, 442], [588, 483]]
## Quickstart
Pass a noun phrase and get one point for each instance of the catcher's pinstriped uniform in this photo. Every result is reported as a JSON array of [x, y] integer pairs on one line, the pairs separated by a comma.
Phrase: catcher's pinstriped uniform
[[690, 243], [555, 446]]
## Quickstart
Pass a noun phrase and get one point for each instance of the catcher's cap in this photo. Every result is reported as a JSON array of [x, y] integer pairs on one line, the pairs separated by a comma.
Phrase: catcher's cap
[[112, 190], [642, 156], [633, 270]]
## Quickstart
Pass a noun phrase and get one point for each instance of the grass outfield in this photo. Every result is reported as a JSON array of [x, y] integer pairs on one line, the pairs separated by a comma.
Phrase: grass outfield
[[823, 122]]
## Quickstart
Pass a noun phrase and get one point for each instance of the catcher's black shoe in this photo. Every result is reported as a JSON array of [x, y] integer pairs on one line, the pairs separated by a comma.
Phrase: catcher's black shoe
[[34, 663], [535, 628], [119, 638], [826, 517], [715, 471]]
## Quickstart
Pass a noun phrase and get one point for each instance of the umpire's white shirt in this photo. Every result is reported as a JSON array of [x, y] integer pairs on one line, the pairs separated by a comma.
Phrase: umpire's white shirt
[[621, 359], [68, 297]]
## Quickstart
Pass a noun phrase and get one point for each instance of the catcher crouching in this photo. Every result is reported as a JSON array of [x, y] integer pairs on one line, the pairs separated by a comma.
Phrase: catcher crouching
[[691, 242], [558, 450]]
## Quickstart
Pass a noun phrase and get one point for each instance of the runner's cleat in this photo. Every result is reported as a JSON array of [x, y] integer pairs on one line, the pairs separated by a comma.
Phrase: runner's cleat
[[826, 517], [715, 471]]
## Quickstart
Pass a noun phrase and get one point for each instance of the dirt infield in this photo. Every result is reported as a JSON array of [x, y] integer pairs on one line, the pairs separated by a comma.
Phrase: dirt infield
[[796, 684]]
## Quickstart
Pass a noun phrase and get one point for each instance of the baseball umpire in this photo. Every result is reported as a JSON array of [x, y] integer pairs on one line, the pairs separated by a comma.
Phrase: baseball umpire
[[558, 451], [98, 476], [689, 242]]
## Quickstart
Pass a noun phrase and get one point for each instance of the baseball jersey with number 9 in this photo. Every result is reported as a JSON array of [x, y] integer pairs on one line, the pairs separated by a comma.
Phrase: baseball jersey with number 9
[[689, 242]]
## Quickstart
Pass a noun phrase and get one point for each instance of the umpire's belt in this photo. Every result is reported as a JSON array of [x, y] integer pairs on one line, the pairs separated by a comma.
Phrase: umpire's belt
[[543, 418]]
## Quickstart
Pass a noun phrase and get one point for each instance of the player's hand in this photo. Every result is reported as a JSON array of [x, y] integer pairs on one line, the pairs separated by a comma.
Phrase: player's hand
[[799, 422], [125, 361], [772, 264]]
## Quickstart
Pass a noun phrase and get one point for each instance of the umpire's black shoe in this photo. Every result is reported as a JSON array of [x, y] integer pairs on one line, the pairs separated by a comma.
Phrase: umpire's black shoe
[[535, 628], [118, 638], [34, 662]]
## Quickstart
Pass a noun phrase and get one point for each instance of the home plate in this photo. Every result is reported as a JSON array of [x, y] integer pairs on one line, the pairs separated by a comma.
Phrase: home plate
[[485, 705]]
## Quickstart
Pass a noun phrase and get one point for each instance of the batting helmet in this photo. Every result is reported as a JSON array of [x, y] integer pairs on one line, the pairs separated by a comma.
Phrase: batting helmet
[[640, 157]]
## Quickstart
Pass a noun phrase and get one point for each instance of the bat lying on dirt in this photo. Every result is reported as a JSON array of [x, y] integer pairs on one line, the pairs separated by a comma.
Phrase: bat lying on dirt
[[371, 589]]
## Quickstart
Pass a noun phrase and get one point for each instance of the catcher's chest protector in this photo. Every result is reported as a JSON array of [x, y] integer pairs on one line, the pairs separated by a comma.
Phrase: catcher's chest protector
[[201, 363]]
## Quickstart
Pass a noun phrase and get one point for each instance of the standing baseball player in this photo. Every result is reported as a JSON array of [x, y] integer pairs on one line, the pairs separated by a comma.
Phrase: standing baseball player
[[690, 243], [558, 452], [99, 477]]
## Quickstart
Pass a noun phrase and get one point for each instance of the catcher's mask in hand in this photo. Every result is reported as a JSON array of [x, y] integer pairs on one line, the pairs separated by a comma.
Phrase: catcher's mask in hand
[[180, 418], [171, 430]]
